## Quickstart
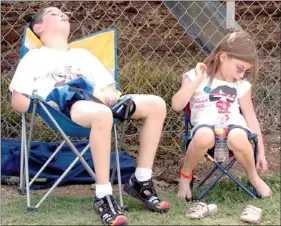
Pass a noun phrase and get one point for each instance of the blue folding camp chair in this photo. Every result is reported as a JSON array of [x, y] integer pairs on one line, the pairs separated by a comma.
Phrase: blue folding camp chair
[[103, 45], [223, 167]]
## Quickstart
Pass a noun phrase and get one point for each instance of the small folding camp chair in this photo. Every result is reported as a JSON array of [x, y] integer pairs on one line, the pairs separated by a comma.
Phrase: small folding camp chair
[[103, 45], [223, 167]]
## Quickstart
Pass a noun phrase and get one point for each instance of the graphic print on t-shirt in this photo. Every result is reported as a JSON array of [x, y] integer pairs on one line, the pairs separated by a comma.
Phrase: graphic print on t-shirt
[[224, 97], [65, 74]]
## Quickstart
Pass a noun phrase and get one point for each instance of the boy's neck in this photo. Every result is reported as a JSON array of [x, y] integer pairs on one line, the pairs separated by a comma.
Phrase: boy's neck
[[56, 43]]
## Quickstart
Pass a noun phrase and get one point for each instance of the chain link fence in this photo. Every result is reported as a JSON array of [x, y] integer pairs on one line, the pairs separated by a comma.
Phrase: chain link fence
[[153, 51]]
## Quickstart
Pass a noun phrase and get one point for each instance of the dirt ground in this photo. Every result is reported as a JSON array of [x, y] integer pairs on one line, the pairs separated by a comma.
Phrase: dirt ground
[[166, 168]]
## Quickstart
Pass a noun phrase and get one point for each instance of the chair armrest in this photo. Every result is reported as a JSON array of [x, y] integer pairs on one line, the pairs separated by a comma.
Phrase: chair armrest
[[253, 136], [36, 98]]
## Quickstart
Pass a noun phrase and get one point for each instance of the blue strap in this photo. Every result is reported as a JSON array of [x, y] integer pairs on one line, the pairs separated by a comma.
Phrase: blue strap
[[81, 89], [118, 110]]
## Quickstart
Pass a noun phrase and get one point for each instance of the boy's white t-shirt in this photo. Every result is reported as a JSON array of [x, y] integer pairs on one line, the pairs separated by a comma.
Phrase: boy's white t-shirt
[[208, 102], [41, 70]]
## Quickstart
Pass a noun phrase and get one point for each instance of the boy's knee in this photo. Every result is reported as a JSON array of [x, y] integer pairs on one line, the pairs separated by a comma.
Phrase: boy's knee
[[87, 114], [149, 106], [204, 138], [237, 138], [104, 111], [158, 104], [102, 114]]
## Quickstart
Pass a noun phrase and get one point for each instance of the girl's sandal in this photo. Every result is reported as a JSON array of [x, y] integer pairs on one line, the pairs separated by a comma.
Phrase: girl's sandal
[[251, 214], [200, 210]]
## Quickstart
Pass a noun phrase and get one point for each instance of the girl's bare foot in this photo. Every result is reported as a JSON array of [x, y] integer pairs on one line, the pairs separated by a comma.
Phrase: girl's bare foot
[[261, 186], [184, 189]]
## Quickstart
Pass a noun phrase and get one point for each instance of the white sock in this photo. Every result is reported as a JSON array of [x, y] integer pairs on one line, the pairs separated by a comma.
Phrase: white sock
[[143, 174], [103, 190]]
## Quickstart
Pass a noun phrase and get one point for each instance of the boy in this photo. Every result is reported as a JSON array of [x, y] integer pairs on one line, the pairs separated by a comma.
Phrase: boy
[[41, 70]]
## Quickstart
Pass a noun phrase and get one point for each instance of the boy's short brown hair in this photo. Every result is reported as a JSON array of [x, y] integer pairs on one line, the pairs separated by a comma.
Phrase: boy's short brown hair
[[37, 19]]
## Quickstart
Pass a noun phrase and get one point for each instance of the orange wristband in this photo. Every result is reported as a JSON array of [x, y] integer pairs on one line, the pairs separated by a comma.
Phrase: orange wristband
[[184, 175]]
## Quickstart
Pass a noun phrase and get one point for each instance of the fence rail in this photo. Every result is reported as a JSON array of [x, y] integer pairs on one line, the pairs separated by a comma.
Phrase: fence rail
[[153, 50]]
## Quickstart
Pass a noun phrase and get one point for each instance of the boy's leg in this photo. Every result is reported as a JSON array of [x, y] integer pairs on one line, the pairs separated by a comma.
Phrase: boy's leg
[[238, 142], [152, 110], [203, 140], [99, 118]]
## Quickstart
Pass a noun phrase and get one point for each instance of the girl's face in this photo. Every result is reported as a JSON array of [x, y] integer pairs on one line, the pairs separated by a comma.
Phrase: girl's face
[[231, 69]]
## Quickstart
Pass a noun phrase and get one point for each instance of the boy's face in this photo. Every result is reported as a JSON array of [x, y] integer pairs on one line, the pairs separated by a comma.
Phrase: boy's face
[[54, 21]]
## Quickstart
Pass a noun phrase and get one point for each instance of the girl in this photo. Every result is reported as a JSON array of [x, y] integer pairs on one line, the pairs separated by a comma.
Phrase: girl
[[220, 86]]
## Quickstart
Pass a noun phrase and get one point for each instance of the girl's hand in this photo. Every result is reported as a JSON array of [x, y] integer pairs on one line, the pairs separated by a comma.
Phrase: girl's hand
[[200, 71], [261, 163]]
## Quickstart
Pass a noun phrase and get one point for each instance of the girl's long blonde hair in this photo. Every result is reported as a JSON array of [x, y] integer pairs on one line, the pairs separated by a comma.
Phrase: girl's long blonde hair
[[238, 45]]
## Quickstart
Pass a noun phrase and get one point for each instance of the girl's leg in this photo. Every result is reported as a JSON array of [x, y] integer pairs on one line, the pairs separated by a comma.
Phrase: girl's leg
[[202, 141], [238, 142]]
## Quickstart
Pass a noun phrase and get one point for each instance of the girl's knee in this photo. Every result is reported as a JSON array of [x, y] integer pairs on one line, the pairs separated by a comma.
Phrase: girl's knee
[[237, 139], [204, 138]]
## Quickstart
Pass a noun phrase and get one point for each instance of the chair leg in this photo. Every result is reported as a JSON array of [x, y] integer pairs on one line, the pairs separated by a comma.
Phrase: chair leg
[[235, 180], [24, 143], [62, 176], [241, 185], [70, 144], [26, 168], [117, 162], [46, 163], [224, 170], [208, 176], [27, 145], [255, 148], [73, 148], [114, 169], [31, 127], [118, 169], [22, 189]]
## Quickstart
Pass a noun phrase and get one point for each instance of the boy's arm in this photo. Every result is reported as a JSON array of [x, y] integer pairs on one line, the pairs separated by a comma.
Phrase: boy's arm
[[99, 75], [23, 82], [247, 108], [111, 95], [20, 102], [104, 82]]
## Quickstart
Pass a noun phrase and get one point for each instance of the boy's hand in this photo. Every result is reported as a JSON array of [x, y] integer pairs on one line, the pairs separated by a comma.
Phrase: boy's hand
[[111, 96], [200, 71], [54, 105]]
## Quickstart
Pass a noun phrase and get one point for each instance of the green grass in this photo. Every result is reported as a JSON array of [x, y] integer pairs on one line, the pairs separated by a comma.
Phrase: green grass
[[78, 210]]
